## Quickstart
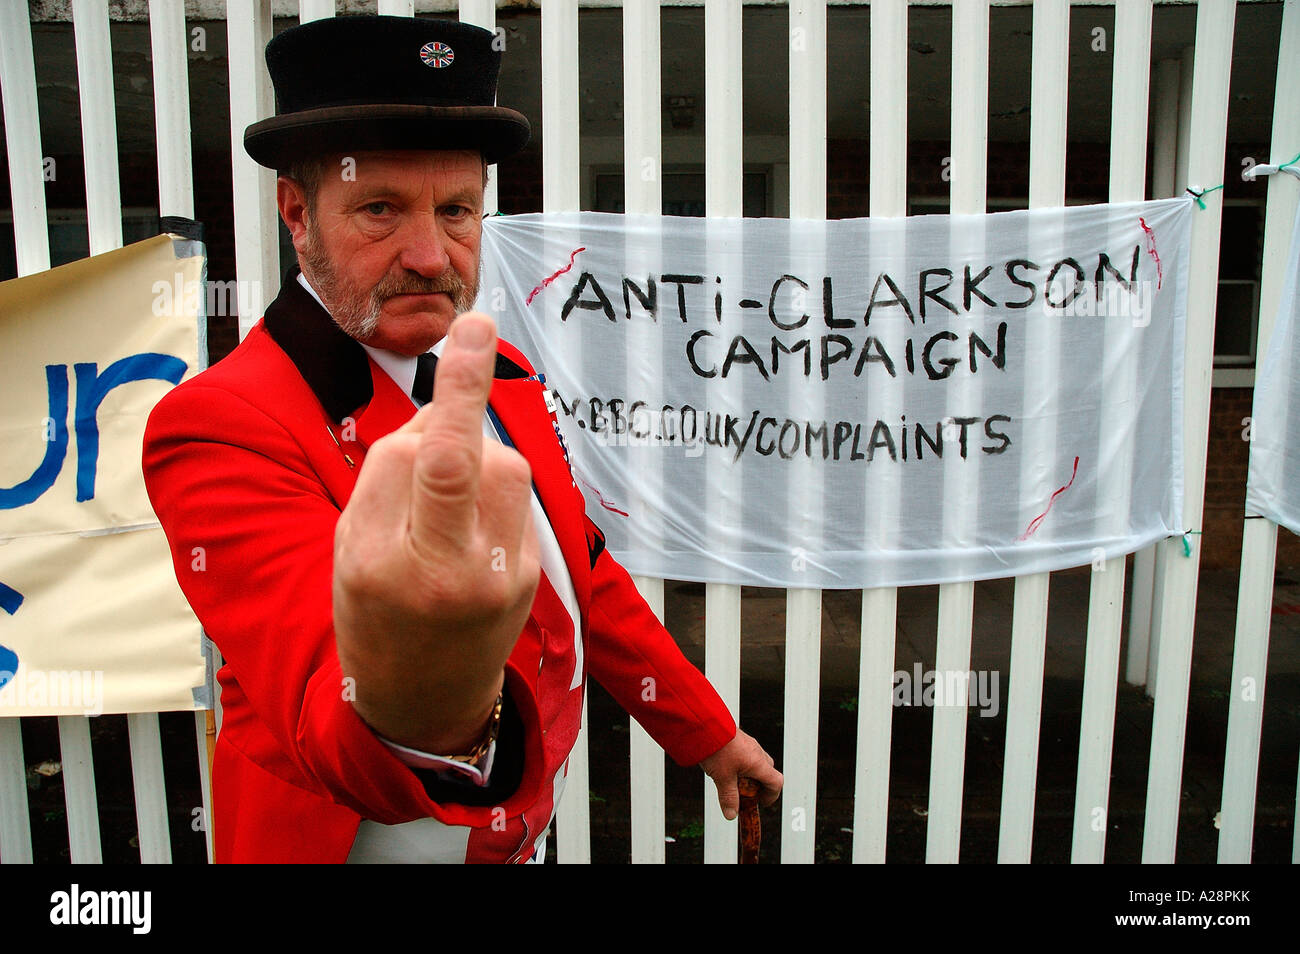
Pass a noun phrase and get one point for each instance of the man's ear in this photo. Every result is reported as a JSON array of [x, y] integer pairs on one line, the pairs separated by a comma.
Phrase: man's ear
[[292, 202]]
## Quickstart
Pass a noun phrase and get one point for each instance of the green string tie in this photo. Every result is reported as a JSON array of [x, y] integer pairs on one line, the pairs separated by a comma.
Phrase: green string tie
[[1187, 544], [1204, 192]]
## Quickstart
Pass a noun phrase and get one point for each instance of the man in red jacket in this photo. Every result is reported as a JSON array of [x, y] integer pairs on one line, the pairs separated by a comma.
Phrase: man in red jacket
[[408, 601]]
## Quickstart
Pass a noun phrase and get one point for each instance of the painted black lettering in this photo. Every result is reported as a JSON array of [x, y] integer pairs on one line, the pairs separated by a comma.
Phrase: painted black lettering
[[778, 347], [873, 350], [936, 442], [1051, 279], [695, 424], [996, 435], [771, 303], [667, 423], [690, 354], [933, 293], [842, 431], [946, 362], [1000, 358], [811, 433], [637, 412], [963, 423], [1104, 266], [681, 281], [741, 351], [1017, 263], [899, 298], [649, 297], [616, 412], [788, 425], [600, 302], [828, 308], [744, 441], [880, 437], [846, 349], [970, 286], [854, 453], [713, 429]]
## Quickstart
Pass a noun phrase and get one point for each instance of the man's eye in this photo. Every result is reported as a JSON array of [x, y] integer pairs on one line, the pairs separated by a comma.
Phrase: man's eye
[[377, 208], [458, 212]]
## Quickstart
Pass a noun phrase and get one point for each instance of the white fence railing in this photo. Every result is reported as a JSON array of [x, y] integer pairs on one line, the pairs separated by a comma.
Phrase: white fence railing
[[1259, 543], [1189, 134]]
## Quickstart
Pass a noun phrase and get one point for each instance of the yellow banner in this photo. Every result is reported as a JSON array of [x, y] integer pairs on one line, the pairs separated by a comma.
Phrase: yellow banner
[[91, 617]]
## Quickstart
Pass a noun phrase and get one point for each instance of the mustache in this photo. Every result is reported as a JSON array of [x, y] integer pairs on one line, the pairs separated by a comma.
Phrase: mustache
[[410, 284]]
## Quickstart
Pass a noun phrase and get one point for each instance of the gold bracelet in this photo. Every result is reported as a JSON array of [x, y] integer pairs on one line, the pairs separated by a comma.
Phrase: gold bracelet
[[480, 751]]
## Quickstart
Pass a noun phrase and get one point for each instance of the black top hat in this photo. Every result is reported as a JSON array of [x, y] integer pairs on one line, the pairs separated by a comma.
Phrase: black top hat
[[379, 82]]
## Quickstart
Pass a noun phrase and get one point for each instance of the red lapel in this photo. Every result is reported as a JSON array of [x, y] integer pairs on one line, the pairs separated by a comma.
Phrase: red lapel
[[521, 408], [389, 408]]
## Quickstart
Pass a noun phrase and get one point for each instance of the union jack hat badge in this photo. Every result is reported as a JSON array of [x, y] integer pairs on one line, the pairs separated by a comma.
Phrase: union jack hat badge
[[437, 54]]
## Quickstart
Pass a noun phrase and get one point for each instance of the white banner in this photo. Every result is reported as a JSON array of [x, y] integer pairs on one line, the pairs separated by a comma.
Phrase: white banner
[[91, 617], [1273, 482], [859, 403]]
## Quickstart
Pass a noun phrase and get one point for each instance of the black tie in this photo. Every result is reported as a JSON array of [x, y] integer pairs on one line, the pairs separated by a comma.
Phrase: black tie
[[422, 389]]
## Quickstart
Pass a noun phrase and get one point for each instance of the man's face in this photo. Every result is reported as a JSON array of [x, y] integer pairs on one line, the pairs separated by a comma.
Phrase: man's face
[[392, 246]]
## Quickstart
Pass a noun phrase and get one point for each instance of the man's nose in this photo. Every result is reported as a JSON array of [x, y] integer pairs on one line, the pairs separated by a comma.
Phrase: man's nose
[[424, 248]]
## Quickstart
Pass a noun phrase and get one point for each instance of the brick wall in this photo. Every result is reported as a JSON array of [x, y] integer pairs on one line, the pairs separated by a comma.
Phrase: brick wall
[[1225, 484]]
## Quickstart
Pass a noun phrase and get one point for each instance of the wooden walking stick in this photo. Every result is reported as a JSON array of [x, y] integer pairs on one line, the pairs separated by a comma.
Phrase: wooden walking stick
[[751, 826]]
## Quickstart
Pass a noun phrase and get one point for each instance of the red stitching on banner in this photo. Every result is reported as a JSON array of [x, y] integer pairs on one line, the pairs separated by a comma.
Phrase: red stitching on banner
[[1034, 524], [1151, 250], [604, 503], [546, 281]]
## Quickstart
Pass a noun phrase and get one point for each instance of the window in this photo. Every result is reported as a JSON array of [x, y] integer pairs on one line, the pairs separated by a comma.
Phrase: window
[[1236, 318]]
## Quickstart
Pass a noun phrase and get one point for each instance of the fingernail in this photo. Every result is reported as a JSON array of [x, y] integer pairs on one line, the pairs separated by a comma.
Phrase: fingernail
[[473, 335]]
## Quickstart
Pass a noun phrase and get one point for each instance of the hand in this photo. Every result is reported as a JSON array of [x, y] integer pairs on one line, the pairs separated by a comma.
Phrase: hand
[[742, 756], [436, 561]]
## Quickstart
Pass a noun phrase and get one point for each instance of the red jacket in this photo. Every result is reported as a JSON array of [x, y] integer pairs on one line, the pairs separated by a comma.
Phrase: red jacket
[[248, 466]]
